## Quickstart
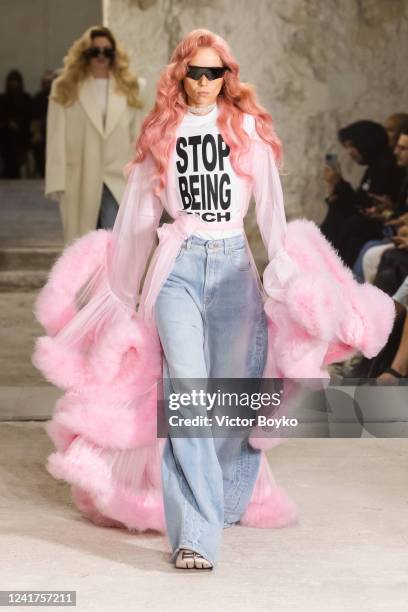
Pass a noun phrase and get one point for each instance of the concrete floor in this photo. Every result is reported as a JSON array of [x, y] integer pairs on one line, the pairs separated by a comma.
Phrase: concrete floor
[[348, 552], [27, 217], [30, 239]]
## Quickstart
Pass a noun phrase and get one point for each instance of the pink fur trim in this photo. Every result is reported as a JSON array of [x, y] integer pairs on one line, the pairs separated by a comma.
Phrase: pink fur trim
[[60, 366], [109, 421], [83, 466], [85, 503], [110, 405], [269, 506], [54, 305]]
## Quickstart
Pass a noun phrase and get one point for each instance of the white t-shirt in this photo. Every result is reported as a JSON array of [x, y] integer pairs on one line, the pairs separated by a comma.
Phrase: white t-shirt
[[101, 89], [205, 181]]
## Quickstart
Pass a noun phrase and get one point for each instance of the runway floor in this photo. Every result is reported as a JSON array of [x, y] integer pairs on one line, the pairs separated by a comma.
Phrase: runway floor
[[348, 552]]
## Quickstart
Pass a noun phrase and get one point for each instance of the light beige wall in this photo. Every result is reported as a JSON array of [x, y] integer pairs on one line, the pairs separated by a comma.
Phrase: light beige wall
[[317, 65]]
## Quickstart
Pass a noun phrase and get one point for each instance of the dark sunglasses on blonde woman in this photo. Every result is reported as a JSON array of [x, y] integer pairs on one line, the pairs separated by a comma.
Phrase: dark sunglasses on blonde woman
[[93, 52]]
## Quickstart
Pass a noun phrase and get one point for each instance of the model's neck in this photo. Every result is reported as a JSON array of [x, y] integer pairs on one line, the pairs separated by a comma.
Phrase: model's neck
[[102, 73], [201, 110]]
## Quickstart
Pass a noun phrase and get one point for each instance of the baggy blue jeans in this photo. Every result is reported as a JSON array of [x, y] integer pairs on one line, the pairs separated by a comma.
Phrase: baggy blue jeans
[[211, 323]]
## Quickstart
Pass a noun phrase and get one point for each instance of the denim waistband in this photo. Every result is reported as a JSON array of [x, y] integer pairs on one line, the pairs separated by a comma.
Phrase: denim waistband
[[216, 243]]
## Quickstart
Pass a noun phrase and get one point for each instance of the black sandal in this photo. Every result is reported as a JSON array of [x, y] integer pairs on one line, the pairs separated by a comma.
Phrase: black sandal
[[393, 372], [186, 554]]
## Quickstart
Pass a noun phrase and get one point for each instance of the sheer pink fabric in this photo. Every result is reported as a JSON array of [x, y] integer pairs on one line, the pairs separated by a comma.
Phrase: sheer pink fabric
[[101, 349], [114, 287]]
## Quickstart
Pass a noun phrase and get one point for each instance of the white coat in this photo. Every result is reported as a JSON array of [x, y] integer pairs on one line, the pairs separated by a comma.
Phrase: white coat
[[82, 154]]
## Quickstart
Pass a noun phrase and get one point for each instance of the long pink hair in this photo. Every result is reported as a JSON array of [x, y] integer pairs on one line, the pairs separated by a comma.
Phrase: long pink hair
[[158, 129]]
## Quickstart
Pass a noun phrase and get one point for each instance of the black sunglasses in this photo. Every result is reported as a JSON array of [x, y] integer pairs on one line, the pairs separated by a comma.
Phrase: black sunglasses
[[196, 72], [108, 52]]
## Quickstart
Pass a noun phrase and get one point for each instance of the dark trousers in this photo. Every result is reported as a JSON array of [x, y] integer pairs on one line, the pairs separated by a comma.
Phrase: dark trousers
[[108, 210], [371, 368], [354, 233], [392, 271]]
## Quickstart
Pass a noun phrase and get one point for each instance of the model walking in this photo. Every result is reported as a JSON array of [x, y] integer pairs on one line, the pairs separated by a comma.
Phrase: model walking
[[209, 312], [209, 315], [94, 115], [203, 313]]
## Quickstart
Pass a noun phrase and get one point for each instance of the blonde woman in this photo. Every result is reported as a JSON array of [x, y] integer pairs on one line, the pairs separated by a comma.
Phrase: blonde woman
[[94, 114]]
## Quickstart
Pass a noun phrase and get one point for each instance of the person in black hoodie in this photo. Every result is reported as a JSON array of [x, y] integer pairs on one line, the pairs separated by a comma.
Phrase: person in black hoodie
[[351, 219], [393, 268]]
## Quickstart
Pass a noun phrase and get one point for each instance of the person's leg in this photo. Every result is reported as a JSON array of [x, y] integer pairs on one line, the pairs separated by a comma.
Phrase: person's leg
[[191, 474], [358, 270], [392, 270], [192, 490], [236, 347], [108, 210], [210, 319], [399, 365], [385, 357], [401, 295]]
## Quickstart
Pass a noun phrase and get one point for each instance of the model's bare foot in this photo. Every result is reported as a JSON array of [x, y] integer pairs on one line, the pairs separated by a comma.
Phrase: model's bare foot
[[190, 559]]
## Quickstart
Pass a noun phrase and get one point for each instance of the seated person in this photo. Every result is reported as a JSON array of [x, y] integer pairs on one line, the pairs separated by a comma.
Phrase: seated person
[[399, 365], [391, 360], [393, 125], [366, 265], [393, 266], [370, 255], [346, 225]]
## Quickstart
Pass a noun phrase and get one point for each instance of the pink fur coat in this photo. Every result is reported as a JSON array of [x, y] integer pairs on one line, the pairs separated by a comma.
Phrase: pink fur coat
[[104, 426]]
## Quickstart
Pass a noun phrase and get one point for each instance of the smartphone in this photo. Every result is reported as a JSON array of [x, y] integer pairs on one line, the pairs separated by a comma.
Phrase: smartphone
[[331, 160]]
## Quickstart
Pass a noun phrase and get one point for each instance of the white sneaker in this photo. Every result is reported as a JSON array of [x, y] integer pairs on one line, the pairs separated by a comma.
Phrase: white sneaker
[[190, 559]]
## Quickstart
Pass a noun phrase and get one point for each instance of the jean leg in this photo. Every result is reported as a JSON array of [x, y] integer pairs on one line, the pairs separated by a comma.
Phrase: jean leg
[[191, 473], [237, 343], [240, 466]]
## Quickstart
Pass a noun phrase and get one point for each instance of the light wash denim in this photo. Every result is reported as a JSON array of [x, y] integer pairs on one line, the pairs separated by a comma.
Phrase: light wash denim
[[108, 210], [211, 322]]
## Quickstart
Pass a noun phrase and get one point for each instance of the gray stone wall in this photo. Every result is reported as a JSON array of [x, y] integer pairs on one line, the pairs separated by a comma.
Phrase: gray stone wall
[[316, 64]]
